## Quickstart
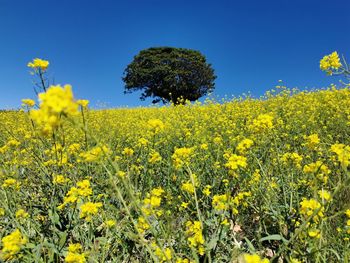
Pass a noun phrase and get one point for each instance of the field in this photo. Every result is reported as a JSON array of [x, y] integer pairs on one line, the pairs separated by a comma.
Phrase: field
[[248, 180]]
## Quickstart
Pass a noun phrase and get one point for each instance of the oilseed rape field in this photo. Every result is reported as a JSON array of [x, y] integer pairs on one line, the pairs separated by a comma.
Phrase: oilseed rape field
[[247, 180]]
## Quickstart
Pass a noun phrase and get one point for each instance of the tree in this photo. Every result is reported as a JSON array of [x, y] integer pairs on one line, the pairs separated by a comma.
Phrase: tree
[[168, 74]]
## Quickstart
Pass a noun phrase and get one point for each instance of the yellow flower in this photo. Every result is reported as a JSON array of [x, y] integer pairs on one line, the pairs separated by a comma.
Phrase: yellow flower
[[96, 154], [254, 259], [262, 122], [330, 62], [312, 141], [89, 209], [83, 103], [110, 223], [75, 258], [318, 166], [11, 183], [155, 201], [293, 158], [60, 179], [343, 153], [152, 203], [74, 254], [121, 174], [220, 202], [195, 236], [314, 233], [155, 125], [162, 254], [128, 151], [154, 157], [204, 146], [28, 102], [225, 182], [184, 260], [157, 191], [308, 207], [225, 222], [206, 191], [142, 225], [184, 205], [244, 145], [2, 211], [239, 200], [188, 187], [347, 212], [182, 157], [21, 213], [38, 63], [74, 247], [12, 244], [235, 161], [54, 103], [83, 189], [325, 195]]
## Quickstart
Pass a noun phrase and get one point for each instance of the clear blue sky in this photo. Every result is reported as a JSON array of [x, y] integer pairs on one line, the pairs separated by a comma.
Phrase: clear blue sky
[[251, 44]]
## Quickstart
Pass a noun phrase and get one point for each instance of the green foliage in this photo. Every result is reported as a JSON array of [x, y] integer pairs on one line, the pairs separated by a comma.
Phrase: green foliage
[[169, 74]]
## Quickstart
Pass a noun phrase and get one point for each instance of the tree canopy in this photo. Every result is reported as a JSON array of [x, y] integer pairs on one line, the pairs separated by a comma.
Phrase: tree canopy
[[169, 74]]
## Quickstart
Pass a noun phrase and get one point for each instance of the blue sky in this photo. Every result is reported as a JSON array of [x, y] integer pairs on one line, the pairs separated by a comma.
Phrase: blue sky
[[251, 44]]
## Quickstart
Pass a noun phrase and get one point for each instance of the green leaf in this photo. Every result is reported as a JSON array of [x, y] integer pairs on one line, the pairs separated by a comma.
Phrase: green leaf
[[63, 238], [272, 237], [212, 243], [55, 218], [250, 245]]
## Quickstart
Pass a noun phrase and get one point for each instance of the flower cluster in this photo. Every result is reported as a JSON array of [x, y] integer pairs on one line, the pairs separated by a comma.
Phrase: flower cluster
[[330, 62], [39, 64], [12, 245], [195, 236], [54, 103], [83, 189]]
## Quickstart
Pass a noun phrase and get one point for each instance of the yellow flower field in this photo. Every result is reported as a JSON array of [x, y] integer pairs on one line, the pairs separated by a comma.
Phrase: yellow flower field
[[247, 180]]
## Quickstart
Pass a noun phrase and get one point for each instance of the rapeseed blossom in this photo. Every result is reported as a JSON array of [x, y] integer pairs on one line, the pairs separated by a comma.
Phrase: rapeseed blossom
[[83, 103], [83, 189], [154, 157], [292, 158], [74, 254], [221, 202], [56, 102], [311, 207], [95, 154], [343, 153], [195, 236], [152, 202], [324, 195], [163, 255], [38, 63], [236, 161], [12, 245], [155, 125], [28, 102], [262, 123], [11, 183], [330, 62], [254, 259], [182, 156], [21, 214], [89, 209], [244, 145], [142, 225], [168, 183]]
